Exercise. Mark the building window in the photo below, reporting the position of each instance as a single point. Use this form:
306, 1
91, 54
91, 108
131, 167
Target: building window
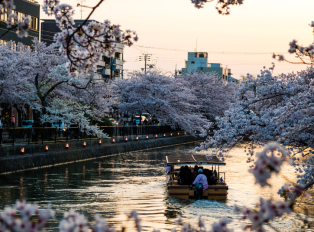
3, 17
192, 62
33, 25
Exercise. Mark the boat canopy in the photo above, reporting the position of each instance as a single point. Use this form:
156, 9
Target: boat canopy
193, 159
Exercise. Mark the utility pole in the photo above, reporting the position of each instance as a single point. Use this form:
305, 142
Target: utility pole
80, 5
146, 58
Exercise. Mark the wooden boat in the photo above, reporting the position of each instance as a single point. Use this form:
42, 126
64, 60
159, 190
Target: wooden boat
218, 191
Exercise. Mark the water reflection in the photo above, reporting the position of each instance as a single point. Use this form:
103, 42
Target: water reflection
66, 177
113, 186
21, 188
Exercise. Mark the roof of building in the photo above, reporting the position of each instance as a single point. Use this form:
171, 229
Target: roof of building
193, 159
33, 1
75, 20
232, 79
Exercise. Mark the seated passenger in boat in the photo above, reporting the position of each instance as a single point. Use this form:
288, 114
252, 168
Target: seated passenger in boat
208, 173
195, 172
212, 180
185, 175
202, 179
201, 184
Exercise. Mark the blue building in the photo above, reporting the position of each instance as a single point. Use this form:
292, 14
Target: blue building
197, 62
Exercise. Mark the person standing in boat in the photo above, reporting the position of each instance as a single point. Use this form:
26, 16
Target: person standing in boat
200, 183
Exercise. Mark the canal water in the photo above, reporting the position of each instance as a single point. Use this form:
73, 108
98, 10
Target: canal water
113, 186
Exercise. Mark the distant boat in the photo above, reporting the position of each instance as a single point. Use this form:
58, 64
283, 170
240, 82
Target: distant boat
217, 191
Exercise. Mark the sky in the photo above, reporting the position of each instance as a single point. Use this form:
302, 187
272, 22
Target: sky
242, 41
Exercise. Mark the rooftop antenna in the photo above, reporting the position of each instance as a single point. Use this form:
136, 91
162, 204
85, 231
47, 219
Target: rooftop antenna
196, 46
80, 4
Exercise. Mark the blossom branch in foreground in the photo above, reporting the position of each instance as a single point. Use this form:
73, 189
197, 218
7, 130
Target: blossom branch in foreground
85, 45
21, 26
222, 6
25, 217
305, 54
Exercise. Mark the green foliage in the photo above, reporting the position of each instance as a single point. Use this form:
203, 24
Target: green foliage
106, 126
104, 122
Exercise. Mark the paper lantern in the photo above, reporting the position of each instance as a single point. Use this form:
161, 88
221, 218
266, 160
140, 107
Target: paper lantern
22, 150
84, 144
46, 148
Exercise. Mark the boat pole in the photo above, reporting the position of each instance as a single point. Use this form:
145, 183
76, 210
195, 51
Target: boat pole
218, 173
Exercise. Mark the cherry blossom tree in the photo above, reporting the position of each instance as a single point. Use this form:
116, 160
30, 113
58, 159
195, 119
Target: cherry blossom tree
13, 74
39, 77
213, 94
163, 96
270, 108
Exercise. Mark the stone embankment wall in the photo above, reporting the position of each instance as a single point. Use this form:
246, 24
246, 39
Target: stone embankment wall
57, 154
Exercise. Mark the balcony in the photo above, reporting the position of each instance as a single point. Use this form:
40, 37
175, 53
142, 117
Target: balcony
101, 63
119, 45
118, 62
105, 72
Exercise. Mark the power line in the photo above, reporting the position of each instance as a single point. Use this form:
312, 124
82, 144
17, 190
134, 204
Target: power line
244, 53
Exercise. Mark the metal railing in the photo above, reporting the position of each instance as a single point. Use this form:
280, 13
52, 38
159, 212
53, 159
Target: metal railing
42, 135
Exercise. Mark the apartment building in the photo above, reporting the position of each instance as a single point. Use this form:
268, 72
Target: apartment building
197, 62
23, 7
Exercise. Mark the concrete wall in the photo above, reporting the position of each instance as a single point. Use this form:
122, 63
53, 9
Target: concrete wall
76, 152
